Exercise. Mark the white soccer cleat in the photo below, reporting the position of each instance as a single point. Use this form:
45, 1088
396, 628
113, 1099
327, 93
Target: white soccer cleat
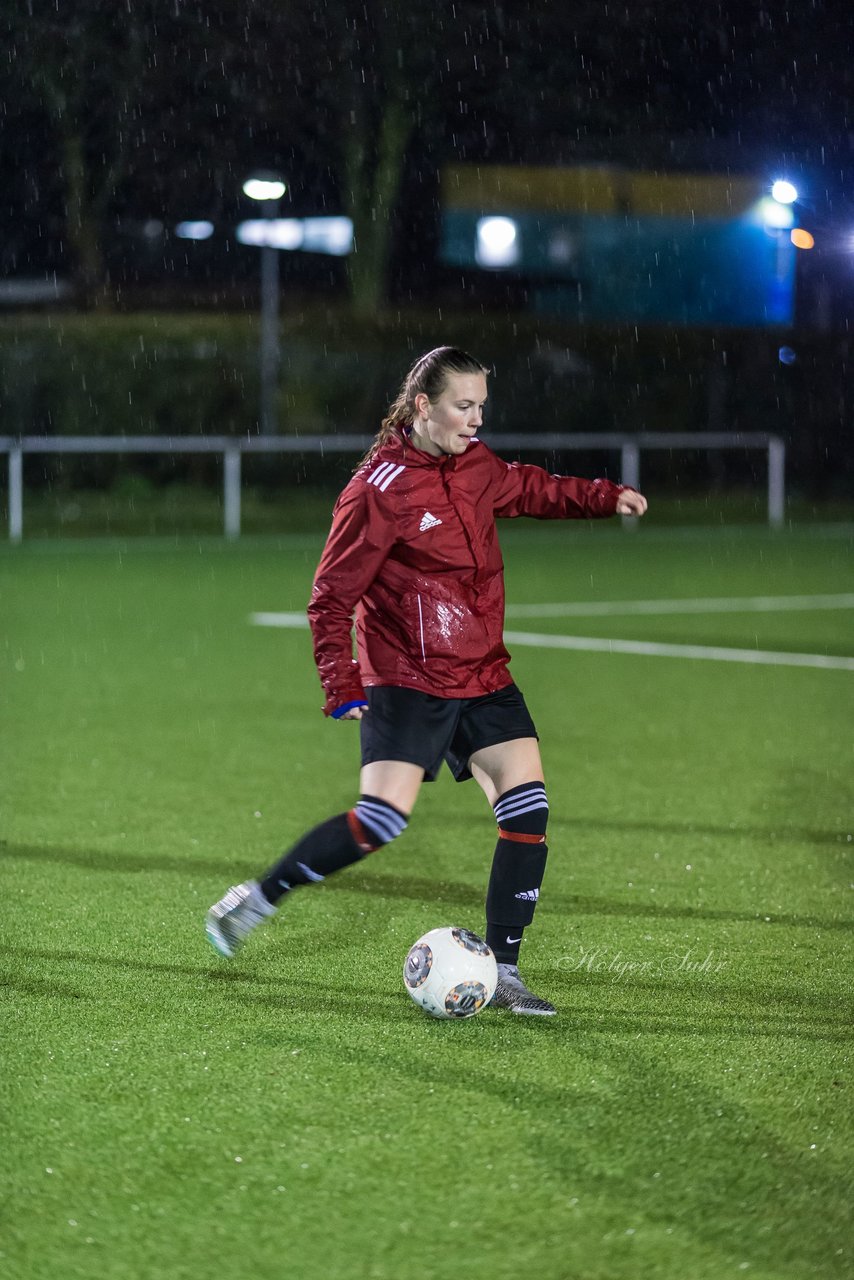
230, 921
511, 993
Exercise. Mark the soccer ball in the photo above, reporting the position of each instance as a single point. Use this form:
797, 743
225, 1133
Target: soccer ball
450, 973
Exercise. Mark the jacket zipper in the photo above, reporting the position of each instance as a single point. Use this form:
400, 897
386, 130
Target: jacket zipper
421, 627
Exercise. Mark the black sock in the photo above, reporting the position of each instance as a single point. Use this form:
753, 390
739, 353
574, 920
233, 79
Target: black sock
322, 851
517, 873
505, 942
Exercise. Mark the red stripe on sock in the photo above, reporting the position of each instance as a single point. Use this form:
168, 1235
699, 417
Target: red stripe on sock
519, 838
359, 834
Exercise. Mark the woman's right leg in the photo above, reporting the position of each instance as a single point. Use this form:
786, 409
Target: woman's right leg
389, 789
394, 781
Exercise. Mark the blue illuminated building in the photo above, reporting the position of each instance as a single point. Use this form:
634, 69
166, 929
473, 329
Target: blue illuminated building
606, 245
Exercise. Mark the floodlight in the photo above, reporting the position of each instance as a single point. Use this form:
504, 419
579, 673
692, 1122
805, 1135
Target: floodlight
497, 242
784, 192
264, 187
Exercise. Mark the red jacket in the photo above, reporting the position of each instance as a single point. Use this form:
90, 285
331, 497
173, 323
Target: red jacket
413, 549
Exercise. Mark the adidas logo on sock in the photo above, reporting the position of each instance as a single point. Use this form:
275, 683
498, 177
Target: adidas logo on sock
530, 895
428, 521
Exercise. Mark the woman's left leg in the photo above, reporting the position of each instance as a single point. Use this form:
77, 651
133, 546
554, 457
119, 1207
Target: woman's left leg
507, 764
511, 776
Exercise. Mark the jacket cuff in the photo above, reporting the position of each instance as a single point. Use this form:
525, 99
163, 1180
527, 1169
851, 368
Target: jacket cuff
609, 492
345, 707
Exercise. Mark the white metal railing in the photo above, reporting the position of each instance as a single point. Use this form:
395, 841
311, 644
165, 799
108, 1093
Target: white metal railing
232, 449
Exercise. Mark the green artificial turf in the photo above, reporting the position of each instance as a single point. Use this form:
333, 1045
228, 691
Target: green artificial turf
169, 1116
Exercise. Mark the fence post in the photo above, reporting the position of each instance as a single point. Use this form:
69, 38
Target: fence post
776, 483
231, 493
630, 476
16, 494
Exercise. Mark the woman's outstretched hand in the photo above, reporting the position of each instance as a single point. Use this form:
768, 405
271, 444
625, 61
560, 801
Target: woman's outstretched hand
631, 503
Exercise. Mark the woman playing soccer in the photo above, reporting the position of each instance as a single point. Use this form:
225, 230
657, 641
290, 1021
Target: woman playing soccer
413, 551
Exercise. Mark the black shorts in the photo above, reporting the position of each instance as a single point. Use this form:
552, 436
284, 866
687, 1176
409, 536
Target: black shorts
418, 728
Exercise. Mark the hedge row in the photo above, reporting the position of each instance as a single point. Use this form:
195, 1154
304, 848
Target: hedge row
176, 373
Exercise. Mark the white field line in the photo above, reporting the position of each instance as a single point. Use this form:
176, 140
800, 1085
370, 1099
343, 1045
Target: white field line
278, 619
762, 657
725, 604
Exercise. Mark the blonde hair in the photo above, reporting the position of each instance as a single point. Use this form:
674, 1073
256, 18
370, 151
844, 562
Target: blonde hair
428, 376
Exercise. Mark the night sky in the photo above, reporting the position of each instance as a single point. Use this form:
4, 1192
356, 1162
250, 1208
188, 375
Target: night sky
115, 119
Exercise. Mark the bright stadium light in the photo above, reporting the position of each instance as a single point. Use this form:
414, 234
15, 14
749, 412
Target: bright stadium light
497, 242
784, 192
264, 187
